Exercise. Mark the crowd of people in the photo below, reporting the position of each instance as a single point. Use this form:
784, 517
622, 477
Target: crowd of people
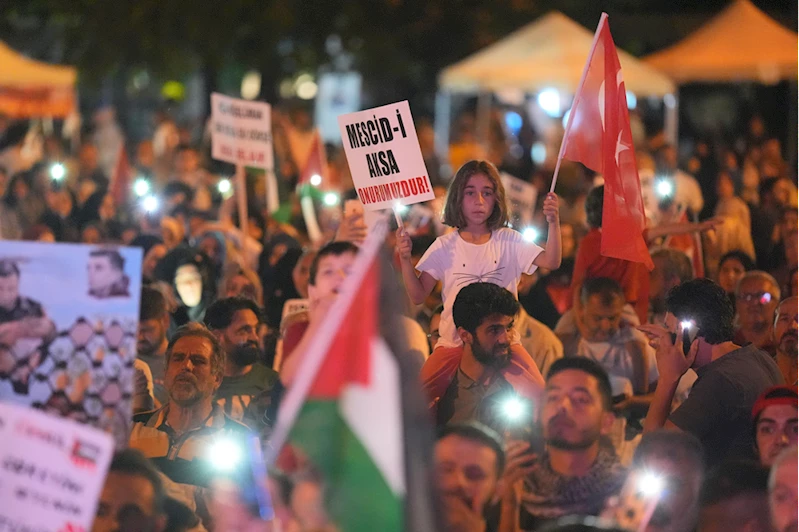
559, 381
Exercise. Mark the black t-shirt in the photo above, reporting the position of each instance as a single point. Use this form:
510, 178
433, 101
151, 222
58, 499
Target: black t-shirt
718, 410
25, 308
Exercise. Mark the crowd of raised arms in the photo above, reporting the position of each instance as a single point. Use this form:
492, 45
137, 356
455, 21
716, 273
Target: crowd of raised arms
561, 384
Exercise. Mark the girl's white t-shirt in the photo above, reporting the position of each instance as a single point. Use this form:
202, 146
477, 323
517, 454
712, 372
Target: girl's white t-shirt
456, 263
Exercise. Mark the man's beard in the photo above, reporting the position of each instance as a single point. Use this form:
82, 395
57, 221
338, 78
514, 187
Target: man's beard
788, 344
488, 358
246, 354
587, 437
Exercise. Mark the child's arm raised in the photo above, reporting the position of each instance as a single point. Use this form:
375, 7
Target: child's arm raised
551, 256
419, 287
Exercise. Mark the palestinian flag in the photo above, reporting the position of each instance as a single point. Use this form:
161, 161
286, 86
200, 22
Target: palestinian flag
349, 422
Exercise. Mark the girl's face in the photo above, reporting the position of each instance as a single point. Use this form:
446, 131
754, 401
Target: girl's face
730, 272
479, 199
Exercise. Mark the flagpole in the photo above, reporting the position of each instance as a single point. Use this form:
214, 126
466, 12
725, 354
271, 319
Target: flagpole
576, 100
314, 355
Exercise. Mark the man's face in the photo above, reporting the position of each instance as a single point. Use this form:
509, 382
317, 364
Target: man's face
601, 321
189, 379
756, 302
240, 339
572, 415
785, 327
127, 503
467, 470
9, 291
490, 343
678, 507
783, 496
152, 334
775, 431
330, 275
101, 273
189, 285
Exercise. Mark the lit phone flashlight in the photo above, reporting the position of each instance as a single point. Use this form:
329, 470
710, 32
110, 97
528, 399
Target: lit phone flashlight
664, 187
638, 499
517, 416
149, 204
689, 332
141, 187
58, 171
240, 461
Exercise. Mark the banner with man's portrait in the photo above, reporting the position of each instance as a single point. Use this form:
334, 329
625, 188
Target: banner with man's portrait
68, 319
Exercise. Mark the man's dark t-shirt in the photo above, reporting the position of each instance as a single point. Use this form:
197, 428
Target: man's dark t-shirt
466, 400
718, 410
235, 394
24, 308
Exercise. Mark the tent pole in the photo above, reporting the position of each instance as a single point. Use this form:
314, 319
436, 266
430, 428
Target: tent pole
483, 118
442, 125
671, 117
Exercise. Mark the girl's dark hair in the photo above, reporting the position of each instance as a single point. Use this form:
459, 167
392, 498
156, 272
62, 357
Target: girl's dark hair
745, 260
453, 210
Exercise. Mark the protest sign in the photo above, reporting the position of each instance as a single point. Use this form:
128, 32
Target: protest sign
339, 93
241, 132
52, 470
68, 319
384, 157
520, 197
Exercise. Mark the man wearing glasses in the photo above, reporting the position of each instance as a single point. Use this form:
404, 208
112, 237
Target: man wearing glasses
698, 334
756, 300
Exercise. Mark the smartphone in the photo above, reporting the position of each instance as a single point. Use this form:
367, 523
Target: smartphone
637, 501
248, 473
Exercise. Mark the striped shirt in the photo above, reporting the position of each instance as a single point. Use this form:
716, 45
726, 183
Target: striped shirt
184, 458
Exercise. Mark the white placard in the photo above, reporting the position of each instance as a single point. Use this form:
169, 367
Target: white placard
241, 132
52, 471
520, 197
384, 157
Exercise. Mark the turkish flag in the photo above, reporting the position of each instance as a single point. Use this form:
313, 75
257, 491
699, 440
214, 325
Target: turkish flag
600, 138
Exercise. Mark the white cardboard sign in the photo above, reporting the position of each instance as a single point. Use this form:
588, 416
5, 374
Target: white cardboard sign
384, 157
52, 471
241, 132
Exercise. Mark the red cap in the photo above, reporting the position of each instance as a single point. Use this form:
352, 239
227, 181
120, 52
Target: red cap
783, 399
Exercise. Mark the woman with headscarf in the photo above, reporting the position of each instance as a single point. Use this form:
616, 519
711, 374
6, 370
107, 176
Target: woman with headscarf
191, 275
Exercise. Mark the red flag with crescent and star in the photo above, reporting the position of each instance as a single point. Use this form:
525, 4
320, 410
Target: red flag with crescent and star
600, 138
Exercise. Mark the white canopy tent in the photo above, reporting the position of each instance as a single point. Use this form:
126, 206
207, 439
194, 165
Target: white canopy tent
547, 53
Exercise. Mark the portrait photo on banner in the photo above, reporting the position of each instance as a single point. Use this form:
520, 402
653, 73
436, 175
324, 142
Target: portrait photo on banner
68, 318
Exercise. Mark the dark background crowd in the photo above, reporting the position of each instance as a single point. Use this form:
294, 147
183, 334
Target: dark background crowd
660, 400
